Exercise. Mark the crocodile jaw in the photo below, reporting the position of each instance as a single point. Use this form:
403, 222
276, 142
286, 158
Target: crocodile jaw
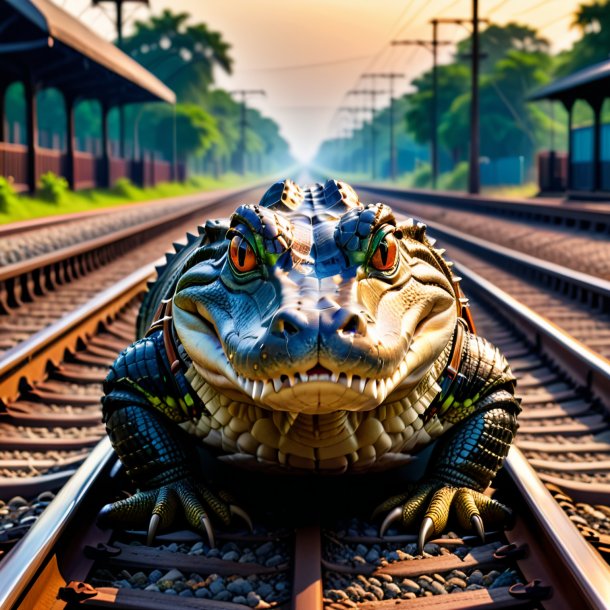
300, 392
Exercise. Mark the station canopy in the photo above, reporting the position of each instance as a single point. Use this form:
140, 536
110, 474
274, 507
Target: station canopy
44, 43
588, 84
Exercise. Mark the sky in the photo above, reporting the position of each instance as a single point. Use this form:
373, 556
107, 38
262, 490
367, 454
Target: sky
307, 54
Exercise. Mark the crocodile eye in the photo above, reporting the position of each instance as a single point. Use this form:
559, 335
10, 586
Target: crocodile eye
384, 257
242, 255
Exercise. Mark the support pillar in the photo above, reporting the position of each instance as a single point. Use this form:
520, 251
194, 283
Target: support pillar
597, 144
32, 132
104, 177
70, 136
3, 88
569, 105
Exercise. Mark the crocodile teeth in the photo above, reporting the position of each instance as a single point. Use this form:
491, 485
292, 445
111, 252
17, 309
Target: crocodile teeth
257, 389
334, 377
371, 388
362, 385
277, 384
247, 384
381, 388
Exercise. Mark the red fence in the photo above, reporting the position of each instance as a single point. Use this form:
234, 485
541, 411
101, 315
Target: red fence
89, 170
14, 164
85, 171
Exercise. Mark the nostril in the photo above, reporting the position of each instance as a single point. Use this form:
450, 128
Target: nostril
290, 328
352, 323
286, 324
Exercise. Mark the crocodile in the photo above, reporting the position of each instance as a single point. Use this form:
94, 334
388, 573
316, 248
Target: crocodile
309, 334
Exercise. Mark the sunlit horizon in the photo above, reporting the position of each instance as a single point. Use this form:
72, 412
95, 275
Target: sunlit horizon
307, 54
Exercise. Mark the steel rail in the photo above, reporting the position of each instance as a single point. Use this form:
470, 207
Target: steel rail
38, 262
590, 573
23, 562
49, 344
570, 214
562, 347
590, 283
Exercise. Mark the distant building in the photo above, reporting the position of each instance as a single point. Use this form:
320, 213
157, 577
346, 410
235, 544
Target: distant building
585, 172
43, 46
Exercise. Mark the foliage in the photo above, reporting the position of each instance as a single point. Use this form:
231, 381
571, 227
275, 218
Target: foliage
422, 176
124, 187
24, 207
593, 22
8, 197
53, 188
496, 41
456, 179
453, 82
182, 55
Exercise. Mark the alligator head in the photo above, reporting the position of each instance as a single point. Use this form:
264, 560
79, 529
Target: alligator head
312, 302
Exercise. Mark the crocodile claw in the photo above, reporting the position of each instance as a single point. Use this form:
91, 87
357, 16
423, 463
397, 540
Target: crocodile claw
392, 516
425, 531
434, 501
477, 526
153, 526
240, 512
205, 522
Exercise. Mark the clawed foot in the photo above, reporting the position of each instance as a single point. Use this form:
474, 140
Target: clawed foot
435, 500
162, 505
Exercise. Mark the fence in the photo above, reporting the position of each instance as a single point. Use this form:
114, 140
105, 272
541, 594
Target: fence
89, 170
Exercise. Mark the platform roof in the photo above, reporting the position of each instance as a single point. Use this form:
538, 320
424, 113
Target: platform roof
58, 50
589, 83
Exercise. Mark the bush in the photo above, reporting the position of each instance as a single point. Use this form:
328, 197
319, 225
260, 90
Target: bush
124, 187
422, 176
455, 180
53, 188
7, 193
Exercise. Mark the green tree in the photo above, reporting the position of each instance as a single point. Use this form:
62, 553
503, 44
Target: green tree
509, 124
593, 21
453, 82
180, 54
496, 41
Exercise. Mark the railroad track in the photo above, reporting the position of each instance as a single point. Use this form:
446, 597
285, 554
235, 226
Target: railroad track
332, 565
574, 300
342, 565
66, 265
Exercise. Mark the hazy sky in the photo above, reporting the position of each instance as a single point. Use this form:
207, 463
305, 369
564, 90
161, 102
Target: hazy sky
307, 54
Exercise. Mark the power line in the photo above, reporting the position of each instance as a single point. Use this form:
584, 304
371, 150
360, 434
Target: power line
320, 64
495, 7
529, 9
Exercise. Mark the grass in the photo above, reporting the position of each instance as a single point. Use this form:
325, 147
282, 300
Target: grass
25, 207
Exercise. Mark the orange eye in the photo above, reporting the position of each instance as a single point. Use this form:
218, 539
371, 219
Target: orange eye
384, 257
242, 255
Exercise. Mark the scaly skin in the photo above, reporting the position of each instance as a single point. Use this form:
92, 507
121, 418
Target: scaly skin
309, 333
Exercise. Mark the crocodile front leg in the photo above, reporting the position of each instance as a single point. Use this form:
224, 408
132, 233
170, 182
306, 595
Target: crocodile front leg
154, 455
462, 468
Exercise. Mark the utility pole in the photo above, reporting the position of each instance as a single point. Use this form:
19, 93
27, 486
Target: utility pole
354, 112
474, 182
119, 37
391, 76
432, 46
474, 178
244, 93
373, 93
